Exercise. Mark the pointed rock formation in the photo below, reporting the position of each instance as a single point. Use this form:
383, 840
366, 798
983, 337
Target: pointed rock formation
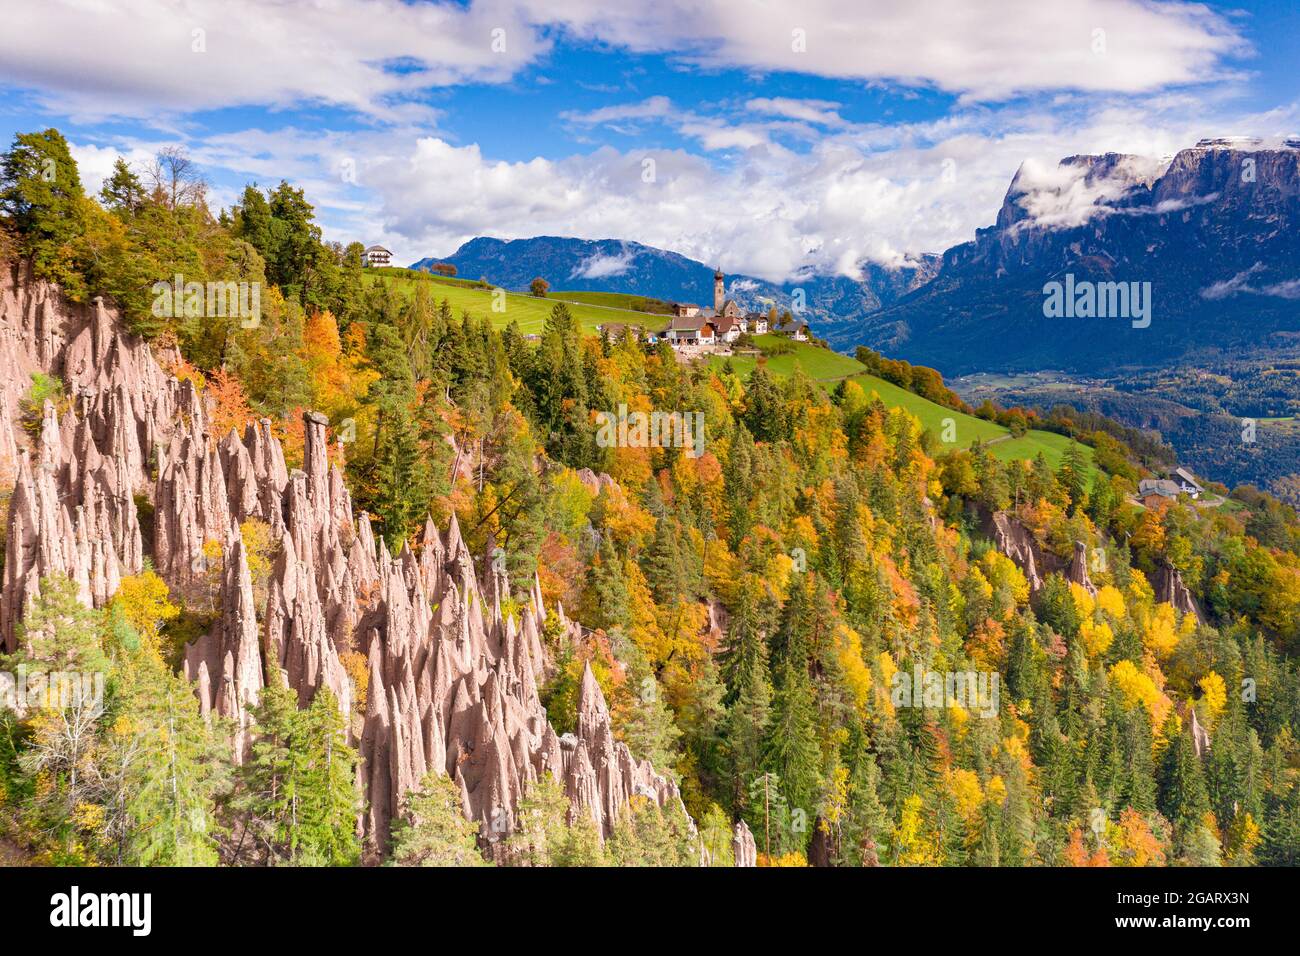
1077, 572
743, 846
452, 678
1014, 540
1169, 588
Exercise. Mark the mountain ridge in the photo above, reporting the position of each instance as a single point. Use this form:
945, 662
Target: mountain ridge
1213, 232
618, 265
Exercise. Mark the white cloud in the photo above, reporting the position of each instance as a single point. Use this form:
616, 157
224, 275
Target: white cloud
151, 58
972, 48
603, 267
148, 58
95, 163
1240, 283
656, 107
820, 112
1067, 194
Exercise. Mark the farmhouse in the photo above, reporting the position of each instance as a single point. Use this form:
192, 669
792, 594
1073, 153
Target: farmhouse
691, 330
685, 310
755, 323
1153, 492
796, 329
729, 328
378, 256
1186, 483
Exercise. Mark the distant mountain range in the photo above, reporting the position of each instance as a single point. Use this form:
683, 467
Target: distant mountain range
1215, 232
1205, 248
614, 265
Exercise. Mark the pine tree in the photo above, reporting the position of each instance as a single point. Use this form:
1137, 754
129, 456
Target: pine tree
1073, 476
649, 729
867, 826
174, 766
329, 808
432, 830
265, 801
122, 191
580, 844
40, 192
747, 719
1182, 796
540, 832
790, 747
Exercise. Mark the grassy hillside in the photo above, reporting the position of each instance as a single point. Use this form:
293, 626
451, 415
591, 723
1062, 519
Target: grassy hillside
529, 311
617, 300
969, 428
818, 363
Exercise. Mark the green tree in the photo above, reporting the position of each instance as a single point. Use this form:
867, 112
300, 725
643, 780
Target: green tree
123, 192
40, 192
790, 748
432, 830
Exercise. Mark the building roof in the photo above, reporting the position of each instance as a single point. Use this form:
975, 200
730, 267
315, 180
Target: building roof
689, 323
1157, 486
725, 324
1187, 476
378, 249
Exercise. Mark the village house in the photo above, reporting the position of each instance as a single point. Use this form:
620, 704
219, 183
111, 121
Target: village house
729, 328
685, 310
796, 329
1153, 492
1186, 483
755, 323
378, 256
691, 330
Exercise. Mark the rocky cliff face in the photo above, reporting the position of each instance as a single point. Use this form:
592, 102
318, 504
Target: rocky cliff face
452, 680
1170, 588
1212, 230
1012, 538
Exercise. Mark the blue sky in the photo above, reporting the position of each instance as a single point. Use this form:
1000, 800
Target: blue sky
767, 136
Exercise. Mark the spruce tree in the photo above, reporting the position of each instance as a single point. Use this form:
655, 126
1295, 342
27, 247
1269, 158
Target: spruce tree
1182, 794
432, 829
790, 748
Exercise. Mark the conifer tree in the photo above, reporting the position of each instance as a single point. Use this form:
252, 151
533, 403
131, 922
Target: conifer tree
1182, 794
432, 830
329, 807
541, 829
790, 747
40, 191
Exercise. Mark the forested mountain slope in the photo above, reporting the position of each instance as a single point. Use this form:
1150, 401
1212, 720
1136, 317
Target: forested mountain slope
811, 629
